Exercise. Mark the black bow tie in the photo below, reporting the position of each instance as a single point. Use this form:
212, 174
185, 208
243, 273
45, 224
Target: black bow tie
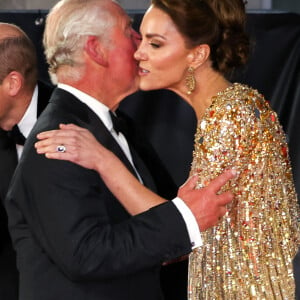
118, 123
16, 135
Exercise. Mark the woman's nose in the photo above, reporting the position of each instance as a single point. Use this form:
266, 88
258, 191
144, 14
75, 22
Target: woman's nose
139, 53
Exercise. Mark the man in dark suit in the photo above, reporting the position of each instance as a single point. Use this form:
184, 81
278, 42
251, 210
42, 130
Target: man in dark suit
21, 102
74, 240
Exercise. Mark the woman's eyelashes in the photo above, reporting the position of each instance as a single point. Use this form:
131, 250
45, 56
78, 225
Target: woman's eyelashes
155, 44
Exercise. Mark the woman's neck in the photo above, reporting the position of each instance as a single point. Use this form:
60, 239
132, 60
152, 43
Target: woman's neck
209, 85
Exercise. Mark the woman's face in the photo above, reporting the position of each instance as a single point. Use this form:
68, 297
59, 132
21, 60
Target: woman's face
162, 55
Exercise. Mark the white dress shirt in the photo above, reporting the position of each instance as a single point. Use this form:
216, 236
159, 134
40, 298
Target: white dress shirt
28, 120
102, 111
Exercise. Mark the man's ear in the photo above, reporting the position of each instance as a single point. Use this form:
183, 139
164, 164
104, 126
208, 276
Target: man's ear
13, 83
199, 55
94, 50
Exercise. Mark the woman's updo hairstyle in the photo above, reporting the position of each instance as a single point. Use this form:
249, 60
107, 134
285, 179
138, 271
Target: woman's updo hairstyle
218, 23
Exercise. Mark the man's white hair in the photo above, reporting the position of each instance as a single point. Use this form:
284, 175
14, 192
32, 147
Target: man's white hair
68, 25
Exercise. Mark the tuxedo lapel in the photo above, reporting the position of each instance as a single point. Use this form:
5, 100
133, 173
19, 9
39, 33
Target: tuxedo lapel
142, 169
139, 165
9, 160
8, 270
107, 140
8, 152
104, 136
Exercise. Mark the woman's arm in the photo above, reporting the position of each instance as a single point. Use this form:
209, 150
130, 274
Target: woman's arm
206, 204
82, 148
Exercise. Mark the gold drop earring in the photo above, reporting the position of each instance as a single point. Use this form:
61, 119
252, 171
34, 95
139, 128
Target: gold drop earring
190, 80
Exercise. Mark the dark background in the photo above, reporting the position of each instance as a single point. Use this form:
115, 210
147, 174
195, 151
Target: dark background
169, 123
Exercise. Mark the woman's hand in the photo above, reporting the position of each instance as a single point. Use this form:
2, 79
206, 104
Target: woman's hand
81, 146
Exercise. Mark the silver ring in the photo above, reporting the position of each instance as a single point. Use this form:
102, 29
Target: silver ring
61, 148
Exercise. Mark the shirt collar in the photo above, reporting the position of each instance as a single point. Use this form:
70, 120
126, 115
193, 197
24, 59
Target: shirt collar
101, 110
30, 116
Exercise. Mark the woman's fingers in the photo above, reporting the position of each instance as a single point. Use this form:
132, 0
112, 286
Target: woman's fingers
71, 143
71, 126
65, 130
51, 140
51, 146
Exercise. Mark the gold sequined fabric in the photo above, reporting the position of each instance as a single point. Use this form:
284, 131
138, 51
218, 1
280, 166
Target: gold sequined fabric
249, 254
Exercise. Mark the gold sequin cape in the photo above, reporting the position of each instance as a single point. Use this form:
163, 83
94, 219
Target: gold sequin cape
249, 254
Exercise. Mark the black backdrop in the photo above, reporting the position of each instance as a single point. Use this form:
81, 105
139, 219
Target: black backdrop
274, 69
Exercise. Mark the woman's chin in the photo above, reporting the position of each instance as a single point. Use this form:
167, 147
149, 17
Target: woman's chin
147, 87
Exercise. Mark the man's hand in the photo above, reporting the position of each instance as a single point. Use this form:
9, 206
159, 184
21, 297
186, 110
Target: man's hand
207, 206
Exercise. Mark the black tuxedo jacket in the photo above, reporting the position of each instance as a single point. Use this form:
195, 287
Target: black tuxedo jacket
9, 160
73, 239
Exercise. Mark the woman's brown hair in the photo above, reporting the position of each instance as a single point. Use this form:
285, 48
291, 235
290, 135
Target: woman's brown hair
218, 23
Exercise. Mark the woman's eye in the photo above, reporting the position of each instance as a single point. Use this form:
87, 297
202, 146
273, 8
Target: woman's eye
154, 45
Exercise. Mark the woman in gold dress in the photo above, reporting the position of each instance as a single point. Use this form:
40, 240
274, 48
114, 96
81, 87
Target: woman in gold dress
189, 47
